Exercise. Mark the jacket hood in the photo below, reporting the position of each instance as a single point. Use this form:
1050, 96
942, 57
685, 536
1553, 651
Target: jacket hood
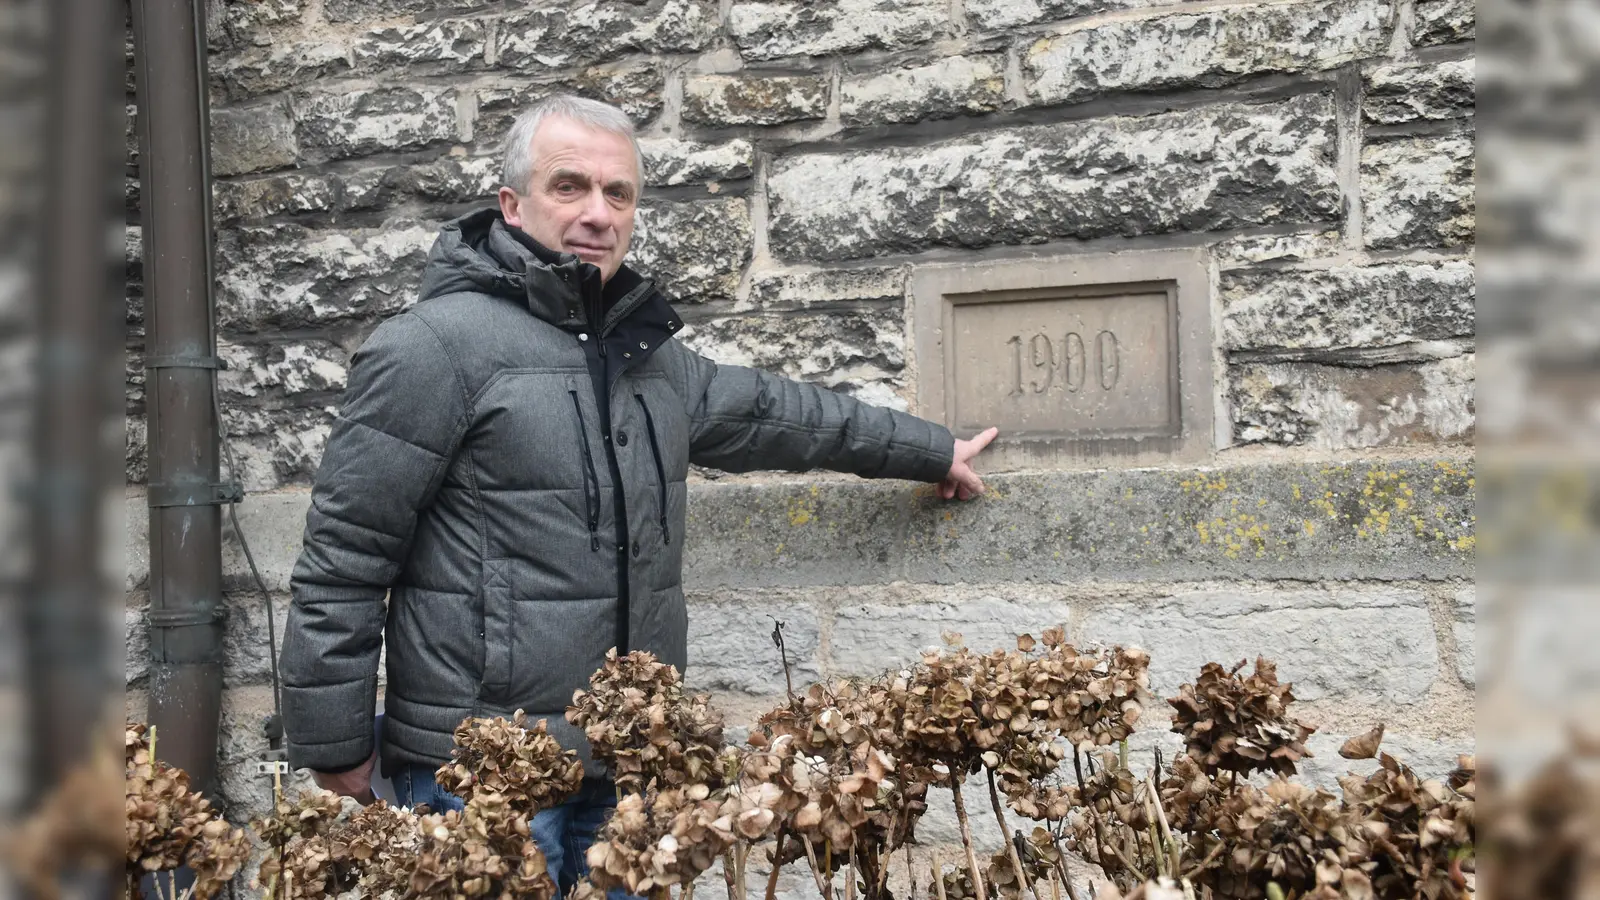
480, 253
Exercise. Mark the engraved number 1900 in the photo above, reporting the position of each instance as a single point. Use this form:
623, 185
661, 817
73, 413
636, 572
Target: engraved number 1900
1069, 367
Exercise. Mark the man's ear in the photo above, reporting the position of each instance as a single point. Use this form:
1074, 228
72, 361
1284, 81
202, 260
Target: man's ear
510, 208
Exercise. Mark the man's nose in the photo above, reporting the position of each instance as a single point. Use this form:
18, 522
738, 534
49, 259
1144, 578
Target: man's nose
597, 213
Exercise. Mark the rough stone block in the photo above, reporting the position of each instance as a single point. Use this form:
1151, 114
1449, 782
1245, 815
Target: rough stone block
994, 15
288, 193
288, 277
769, 30
753, 99
356, 10
1248, 250
245, 653
1464, 625
1219, 45
555, 38
958, 85
1402, 93
278, 447
877, 630
265, 70
1431, 757
805, 288
1241, 522
861, 353
695, 251
1444, 22
731, 648
1225, 166
668, 162
453, 179
250, 22
1341, 644
1345, 407
636, 90
136, 450
262, 371
251, 139
360, 122
441, 46
1419, 192
1350, 306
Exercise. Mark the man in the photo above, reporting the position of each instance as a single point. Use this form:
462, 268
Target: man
509, 469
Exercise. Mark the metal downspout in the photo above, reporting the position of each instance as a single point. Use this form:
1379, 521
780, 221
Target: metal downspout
184, 490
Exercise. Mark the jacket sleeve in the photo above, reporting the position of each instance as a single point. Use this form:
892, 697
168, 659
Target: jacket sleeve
403, 417
743, 420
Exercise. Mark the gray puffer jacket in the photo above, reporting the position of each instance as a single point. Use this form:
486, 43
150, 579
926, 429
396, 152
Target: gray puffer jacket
508, 470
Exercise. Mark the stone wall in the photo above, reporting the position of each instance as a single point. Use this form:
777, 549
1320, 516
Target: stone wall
802, 160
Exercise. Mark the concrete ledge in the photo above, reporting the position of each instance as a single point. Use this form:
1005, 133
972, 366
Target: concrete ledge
1370, 520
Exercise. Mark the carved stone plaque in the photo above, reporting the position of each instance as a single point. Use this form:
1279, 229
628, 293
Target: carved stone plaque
1076, 357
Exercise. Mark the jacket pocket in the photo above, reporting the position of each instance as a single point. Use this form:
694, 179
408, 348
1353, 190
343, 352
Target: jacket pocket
498, 631
661, 470
591, 503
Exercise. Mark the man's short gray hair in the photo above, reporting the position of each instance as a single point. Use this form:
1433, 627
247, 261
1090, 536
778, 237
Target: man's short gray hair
516, 172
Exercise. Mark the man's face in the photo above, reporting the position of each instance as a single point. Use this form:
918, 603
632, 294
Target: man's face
583, 194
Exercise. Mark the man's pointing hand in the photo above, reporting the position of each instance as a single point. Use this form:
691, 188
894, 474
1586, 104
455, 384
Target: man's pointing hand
962, 482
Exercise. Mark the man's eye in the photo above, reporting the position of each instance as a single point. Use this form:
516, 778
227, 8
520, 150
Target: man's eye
566, 187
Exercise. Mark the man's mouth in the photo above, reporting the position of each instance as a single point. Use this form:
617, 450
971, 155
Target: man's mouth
587, 251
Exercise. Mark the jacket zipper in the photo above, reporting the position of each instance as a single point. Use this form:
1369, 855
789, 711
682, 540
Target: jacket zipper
591, 506
600, 374
661, 471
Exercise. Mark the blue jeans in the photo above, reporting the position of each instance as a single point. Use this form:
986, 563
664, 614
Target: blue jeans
563, 833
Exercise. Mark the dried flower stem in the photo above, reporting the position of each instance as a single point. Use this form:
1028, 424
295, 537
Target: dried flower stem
777, 866
730, 874
740, 854
1094, 814
823, 888
966, 840
1176, 867
938, 876
687, 893
850, 876
1005, 835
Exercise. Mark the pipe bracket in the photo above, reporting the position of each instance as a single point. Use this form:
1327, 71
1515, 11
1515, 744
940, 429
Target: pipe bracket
185, 361
183, 617
164, 495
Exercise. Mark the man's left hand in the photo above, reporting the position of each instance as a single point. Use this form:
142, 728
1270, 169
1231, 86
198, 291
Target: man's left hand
962, 482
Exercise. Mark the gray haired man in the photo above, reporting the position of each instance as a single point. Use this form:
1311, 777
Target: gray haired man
509, 468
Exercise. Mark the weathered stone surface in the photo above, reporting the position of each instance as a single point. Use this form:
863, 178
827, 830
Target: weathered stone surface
1219, 45
754, 99
1299, 521
731, 648
441, 46
1342, 408
135, 639
1431, 757
554, 38
768, 30
275, 370
860, 353
1241, 252
875, 630
278, 447
695, 251
668, 162
289, 277
1314, 636
264, 70
990, 15
288, 193
1444, 22
244, 638
959, 85
355, 10
1419, 192
453, 179
802, 288
1464, 625
1350, 306
1419, 92
244, 793
359, 122
249, 22
1225, 166
251, 139
636, 90
136, 450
